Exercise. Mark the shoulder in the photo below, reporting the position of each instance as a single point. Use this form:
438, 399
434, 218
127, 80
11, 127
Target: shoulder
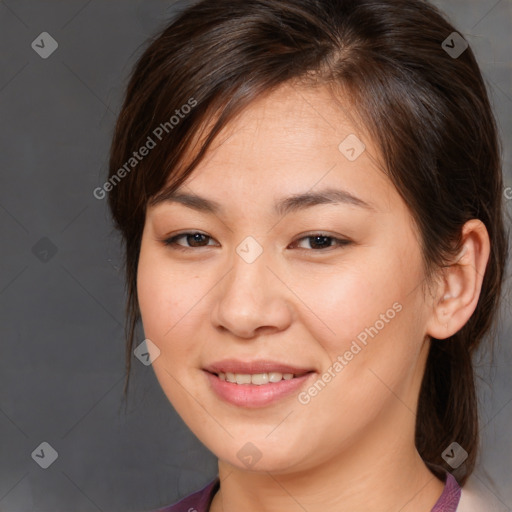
476, 496
198, 501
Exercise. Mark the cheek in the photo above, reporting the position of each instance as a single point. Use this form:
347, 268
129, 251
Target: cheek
154, 296
166, 299
172, 300
166, 295
369, 314
345, 303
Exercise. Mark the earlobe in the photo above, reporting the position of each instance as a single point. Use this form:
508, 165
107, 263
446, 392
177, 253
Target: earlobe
461, 282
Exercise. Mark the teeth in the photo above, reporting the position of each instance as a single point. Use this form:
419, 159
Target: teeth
258, 379
242, 379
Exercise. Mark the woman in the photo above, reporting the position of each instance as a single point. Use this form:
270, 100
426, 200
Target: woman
310, 198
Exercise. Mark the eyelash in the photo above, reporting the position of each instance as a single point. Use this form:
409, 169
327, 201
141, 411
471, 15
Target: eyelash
171, 242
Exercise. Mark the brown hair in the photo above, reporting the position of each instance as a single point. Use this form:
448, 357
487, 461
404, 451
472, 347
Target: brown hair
427, 110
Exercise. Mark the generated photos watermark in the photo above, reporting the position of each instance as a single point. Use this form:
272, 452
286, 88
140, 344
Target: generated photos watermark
341, 361
157, 135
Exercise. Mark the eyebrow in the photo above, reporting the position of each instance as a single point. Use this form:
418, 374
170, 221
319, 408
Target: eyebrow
282, 207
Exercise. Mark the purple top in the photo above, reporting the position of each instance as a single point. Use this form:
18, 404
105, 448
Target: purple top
200, 501
450, 497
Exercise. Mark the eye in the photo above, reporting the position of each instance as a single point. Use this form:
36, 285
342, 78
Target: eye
194, 238
319, 241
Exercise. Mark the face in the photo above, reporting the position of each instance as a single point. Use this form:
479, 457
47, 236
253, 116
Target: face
328, 289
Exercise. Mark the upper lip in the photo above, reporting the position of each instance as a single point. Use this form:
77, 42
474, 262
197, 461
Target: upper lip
254, 367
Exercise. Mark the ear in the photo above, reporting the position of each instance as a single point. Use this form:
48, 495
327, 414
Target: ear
460, 283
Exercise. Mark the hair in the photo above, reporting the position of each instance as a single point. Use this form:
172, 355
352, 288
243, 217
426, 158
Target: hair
428, 112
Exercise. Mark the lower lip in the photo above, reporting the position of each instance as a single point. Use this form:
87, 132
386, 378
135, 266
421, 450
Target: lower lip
251, 395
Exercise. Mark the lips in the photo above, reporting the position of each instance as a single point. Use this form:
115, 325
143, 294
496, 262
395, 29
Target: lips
252, 396
255, 367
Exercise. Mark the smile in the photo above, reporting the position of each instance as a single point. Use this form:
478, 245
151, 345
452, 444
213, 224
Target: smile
259, 379
256, 390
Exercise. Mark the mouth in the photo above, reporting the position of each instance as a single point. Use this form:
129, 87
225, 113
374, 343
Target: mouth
257, 383
258, 379
257, 367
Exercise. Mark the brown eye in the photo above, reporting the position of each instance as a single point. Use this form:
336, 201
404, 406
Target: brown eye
193, 239
319, 241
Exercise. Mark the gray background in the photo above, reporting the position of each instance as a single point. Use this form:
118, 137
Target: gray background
61, 288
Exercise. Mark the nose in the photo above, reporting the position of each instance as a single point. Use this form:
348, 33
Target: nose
251, 300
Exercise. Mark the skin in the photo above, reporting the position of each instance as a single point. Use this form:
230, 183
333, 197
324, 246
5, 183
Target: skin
351, 448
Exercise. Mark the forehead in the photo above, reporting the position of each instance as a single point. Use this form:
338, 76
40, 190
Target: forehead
289, 141
294, 119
